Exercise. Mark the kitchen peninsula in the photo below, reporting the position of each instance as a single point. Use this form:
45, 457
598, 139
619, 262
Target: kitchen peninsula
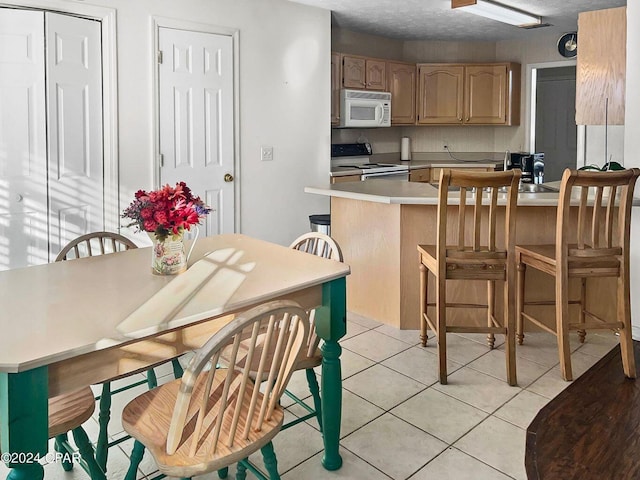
379, 223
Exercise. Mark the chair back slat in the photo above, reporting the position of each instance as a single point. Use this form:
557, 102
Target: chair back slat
617, 188
271, 379
205, 396
582, 215
261, 368
491, 181
461, 216
227, 414
83, 246
596, 218
610, 216
477, 210
245, 378
491, 243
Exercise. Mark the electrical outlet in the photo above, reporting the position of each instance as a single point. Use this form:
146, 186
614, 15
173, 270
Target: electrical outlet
266, 153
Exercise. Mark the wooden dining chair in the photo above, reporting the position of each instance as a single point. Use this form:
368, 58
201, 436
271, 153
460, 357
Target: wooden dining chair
321, 245
461, 253
585, 248
89, 245
216, 415
310, 356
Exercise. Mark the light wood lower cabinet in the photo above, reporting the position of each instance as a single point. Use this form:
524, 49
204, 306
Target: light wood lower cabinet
420, 175
469, 94
346, 178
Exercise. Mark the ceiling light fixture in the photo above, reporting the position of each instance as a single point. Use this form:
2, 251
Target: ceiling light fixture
497, 11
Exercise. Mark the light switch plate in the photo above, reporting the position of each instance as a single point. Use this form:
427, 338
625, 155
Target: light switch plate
266, 153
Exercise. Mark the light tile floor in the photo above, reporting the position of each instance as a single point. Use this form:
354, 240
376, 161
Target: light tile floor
398, 422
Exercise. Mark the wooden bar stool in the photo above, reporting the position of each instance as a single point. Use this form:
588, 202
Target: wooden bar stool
583, 251
469, 259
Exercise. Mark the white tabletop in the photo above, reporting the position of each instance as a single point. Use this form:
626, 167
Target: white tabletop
60, 310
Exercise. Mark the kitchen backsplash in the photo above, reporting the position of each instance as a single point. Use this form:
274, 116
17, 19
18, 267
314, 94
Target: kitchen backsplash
432, 139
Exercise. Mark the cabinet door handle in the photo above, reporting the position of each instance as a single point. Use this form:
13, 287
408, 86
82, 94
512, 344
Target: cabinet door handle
467, 119
459, 119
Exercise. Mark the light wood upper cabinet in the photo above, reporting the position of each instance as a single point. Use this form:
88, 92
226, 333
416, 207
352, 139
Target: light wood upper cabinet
469, 94
440, 94
601, 68
401, 82
485, 94
363, 73
376, 74
336, 80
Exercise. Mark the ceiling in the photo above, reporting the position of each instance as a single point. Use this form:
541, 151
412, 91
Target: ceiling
435, 20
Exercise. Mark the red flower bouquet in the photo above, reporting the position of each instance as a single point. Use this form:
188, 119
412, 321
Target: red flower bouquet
166, 212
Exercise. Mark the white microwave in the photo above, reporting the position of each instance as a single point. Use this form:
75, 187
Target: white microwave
359, 108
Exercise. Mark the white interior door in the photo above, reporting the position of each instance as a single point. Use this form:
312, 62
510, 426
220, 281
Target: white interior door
196, 119
23, 175
74, 122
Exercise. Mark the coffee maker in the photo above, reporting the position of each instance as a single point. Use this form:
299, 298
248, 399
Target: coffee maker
531, 164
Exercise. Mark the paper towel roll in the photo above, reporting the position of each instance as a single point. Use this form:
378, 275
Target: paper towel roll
405, 148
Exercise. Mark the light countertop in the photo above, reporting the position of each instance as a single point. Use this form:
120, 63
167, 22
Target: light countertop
419, 164
416, 193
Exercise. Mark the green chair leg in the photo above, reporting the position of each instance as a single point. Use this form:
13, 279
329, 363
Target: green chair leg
136, 457
86, 452
177, 368
223, 473
152, 380
315, 393
104, 415
241, 470
67, 461
270, 461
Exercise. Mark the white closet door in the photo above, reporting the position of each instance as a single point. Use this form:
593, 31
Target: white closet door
196, 119
74, 122
23, 178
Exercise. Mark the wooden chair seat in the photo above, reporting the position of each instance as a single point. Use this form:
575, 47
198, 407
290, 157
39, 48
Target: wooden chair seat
148, 417
70, 410
469, 258
543, 257
592, 240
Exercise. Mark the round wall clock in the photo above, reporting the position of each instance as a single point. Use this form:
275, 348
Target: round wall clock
568, 44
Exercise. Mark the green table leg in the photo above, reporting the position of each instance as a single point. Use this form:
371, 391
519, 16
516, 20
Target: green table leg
24, 422
331, 325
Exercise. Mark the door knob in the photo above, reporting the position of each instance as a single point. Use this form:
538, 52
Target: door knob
228, 177
19, 197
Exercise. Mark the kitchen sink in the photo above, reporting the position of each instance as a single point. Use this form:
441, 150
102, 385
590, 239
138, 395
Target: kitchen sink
532, 188
535, 188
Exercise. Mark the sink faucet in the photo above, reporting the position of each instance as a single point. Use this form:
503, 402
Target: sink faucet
507, 161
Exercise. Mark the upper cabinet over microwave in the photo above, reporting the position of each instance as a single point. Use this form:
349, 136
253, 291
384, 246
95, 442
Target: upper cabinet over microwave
363, 109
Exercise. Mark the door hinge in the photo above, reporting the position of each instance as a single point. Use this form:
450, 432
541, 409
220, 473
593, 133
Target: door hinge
161, 160
160, 56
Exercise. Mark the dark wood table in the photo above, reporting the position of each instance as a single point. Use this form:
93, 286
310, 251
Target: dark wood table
591, 430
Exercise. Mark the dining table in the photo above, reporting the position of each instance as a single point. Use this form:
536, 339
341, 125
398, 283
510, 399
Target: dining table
82, 322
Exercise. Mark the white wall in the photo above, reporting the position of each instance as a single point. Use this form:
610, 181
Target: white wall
284, 93
632, 149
